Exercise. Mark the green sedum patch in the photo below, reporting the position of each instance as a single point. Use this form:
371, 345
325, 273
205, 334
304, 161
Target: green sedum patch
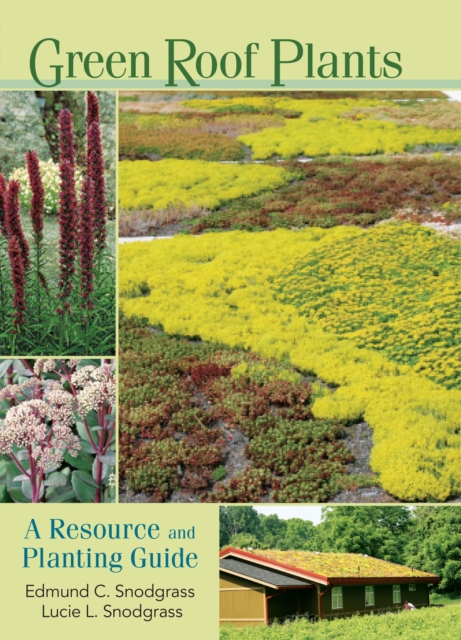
181, 403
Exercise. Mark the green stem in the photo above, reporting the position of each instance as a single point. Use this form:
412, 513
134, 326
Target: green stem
98, 479
38, 251
2, 299
87, 323
5, 303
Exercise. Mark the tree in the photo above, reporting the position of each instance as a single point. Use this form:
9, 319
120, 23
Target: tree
273, 530
245, 541
299, 534
234, 520
436, 544
378, 531
244, 527
52, 103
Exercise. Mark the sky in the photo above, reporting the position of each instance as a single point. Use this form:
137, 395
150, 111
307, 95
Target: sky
292, 511
284, 513
454, 95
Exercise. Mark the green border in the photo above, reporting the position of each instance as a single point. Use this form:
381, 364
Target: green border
229, 85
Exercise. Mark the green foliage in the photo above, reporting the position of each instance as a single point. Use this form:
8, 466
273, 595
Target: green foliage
236, 520
424, 624
77, 463
243, 541
85, 332
380, 532
300, 534
55, 101
446, 599
136, 143
244, 526
329, 193
174, 390
219, 473
317, 298
51, 184
272, 531
46, 305
435, 545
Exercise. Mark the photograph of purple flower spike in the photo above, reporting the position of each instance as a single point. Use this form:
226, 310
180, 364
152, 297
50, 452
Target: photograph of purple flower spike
57, 227
57, 430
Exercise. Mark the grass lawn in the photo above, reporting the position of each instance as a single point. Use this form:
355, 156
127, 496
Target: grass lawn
423, 624
446, 599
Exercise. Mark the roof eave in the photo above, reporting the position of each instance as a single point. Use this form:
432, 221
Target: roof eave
263, 582
315, 577
386, 580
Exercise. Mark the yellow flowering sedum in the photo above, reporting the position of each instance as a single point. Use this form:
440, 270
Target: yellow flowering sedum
263, 373
321, 130
343, 137
225, 288
158, 185
340, 565
394, 289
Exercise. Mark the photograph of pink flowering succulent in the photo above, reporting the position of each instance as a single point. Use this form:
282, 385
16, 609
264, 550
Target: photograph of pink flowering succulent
57, 228
57, 430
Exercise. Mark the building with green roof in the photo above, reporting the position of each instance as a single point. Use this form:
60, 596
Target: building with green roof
260, 586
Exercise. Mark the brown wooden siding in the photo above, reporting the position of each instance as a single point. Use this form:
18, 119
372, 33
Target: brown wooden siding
293, 602
241, 602
229, 581
419, 597
354, 599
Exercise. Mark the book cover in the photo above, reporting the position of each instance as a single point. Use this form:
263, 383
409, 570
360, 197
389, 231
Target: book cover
121, 124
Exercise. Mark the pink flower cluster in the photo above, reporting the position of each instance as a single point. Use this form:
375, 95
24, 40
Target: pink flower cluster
39, 425
26, 426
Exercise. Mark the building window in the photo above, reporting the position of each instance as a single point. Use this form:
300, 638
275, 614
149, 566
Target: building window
337, 598
369, 596
396, 599
411, 587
